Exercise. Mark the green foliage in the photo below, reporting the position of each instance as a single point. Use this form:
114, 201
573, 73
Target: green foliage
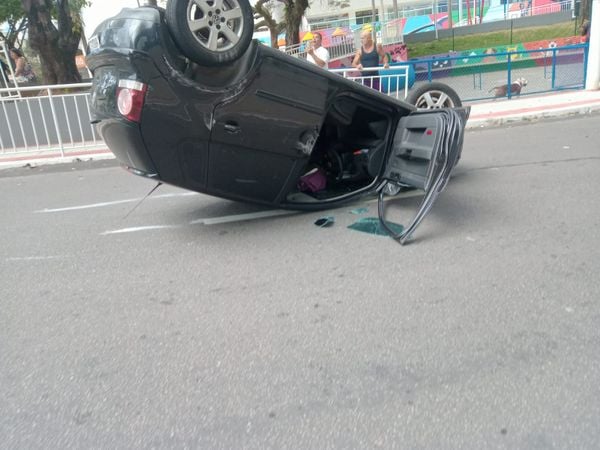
13, 15
10, 9
75, 7
54, 31
494, 39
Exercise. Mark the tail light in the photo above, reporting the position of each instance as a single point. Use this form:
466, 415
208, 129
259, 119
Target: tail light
130, 99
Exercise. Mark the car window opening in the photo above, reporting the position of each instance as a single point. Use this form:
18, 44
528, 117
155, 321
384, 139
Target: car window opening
347, 156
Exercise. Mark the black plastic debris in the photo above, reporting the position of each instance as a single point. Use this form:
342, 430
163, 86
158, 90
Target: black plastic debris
325, 221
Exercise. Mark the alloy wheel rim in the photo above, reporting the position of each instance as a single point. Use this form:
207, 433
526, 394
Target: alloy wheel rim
216, 24
434, 100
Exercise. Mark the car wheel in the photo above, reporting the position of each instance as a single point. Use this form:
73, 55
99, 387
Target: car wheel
211, 32
434, 96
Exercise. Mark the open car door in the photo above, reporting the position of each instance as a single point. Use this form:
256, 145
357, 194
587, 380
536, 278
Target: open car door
426, 147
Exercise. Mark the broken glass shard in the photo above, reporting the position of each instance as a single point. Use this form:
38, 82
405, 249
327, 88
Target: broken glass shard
359, 211
372, 225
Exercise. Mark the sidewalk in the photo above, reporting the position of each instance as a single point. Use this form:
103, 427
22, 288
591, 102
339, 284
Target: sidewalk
488, 114
528, 108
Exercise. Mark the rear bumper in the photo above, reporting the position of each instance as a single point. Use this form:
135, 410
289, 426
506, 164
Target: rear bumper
125, 141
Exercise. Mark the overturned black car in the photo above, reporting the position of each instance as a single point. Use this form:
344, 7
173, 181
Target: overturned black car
185, 97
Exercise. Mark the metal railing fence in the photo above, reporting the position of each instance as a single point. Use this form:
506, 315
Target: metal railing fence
7, 75
58, 121
393, 81
344, 46
340, 48
481, 76
55, 118
392, 32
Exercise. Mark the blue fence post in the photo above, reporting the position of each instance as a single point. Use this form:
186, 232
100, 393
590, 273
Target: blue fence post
553, 85
509, 81
585, 62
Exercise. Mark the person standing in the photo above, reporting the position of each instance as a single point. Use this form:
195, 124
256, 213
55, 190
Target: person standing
317, 54
23, 71
369, 55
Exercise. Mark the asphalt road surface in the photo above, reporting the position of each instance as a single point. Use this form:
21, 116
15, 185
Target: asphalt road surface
181, 325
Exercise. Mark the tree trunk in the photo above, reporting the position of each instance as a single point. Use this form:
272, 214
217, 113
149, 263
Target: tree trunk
56, 47
267, 20
294, 10
273, 33
585, 8
481, 11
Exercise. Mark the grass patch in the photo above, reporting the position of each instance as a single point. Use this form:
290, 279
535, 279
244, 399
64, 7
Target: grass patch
493, 39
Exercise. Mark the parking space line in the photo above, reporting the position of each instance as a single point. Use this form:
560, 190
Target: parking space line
33, 258
249, 216
135, 229
116, 202
243, 217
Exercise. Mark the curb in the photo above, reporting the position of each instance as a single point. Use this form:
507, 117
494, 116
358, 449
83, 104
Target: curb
34, 160
481, 120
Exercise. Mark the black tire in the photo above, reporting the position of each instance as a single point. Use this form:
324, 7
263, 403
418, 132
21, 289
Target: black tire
211, 32
434, 96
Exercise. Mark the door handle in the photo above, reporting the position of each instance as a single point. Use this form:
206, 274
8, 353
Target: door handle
232, 127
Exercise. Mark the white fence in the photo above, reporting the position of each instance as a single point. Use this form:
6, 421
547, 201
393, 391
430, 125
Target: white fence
47, 118
58, 118
6, 73
340, 47
393, 81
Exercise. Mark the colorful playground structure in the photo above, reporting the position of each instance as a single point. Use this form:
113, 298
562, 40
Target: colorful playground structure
343, 38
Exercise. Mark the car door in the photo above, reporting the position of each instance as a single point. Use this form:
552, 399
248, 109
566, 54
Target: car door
262, 138
426, 148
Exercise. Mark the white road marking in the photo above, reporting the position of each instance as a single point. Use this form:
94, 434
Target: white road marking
243, 217
135, 229
207, 221
32, 258
246, 216
116, 202
283, 212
